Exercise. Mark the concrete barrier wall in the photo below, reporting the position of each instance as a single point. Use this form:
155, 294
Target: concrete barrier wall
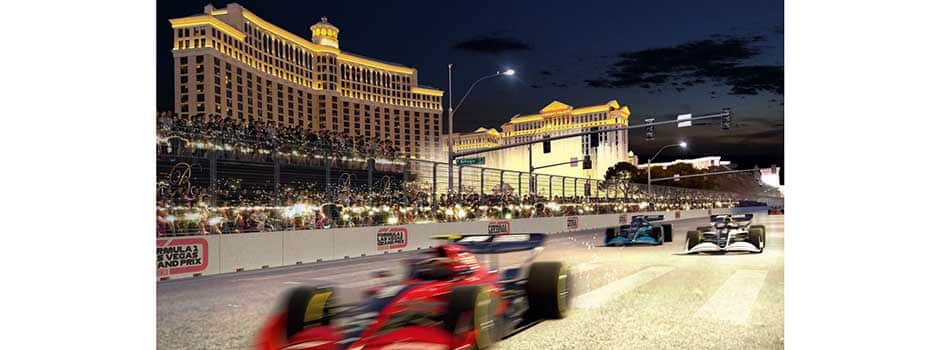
251, 251
301, 247
182, 257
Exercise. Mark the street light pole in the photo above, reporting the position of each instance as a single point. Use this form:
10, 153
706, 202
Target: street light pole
451, 143
451, 116
650, 165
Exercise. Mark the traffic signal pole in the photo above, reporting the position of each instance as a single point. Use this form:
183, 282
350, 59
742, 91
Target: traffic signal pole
554, 165
531, 185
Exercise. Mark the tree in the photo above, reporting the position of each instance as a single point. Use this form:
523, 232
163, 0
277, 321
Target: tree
622, 177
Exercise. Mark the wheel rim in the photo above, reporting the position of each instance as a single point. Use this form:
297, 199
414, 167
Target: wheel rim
482, 319
562, 291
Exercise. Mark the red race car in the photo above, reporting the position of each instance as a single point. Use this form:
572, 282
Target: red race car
449, 300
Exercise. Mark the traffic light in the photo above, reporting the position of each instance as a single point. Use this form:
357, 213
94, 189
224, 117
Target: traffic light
650, 130
594, 138
726, 120
587, 163
547, 144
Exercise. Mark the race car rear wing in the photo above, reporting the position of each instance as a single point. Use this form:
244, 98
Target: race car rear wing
649, 217
744, 217
496, 244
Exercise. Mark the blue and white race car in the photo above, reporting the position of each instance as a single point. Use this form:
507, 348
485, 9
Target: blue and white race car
641, 230
727, 233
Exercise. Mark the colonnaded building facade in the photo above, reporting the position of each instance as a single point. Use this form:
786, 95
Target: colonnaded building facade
232, 63
555, 119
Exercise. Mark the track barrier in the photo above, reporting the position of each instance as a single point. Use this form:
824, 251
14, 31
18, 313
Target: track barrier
192, 256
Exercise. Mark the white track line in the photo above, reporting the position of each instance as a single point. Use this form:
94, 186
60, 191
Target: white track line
366, 270
600, 296
584, 267
734, 299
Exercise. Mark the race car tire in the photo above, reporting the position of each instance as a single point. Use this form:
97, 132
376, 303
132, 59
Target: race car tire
702, 229
307, 307
478, 305
548, 289
610, 234
657, 233
692, 239
667, 232
757, 236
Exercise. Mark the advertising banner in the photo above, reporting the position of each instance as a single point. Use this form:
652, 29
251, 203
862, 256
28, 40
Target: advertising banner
392, 238
573, 222
183, 255
499, 227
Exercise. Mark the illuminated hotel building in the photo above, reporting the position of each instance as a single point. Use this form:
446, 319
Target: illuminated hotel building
698, 163
230, 62
553, 120
478, 139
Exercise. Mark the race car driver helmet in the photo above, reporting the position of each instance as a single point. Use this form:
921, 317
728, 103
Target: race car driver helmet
433, 266
636, 222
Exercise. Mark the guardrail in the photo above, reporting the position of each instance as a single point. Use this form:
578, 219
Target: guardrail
192, 256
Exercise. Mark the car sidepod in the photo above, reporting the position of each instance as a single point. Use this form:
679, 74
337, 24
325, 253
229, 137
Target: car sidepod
618, 237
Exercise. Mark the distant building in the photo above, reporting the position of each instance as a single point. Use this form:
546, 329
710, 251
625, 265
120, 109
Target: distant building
478, 139
770, 177
555, 119
632, 158
698, 163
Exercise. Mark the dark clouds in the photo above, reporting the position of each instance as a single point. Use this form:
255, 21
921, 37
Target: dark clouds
720, 60
492, 44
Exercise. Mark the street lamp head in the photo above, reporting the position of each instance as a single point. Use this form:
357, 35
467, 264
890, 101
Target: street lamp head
509, 72
683, 144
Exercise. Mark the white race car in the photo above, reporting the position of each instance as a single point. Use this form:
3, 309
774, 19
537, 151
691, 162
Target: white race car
727, 233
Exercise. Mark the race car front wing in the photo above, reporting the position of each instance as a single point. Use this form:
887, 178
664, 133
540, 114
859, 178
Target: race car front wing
710, 247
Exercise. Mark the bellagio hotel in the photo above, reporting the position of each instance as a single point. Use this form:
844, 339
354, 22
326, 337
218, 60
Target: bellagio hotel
556, 119
232, 63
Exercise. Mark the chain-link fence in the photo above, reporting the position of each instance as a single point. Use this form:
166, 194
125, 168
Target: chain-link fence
433, 176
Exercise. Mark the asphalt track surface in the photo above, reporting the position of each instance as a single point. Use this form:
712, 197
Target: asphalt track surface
625, 297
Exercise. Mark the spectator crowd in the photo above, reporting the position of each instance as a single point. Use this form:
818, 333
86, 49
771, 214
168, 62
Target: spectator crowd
203, 132
303, 208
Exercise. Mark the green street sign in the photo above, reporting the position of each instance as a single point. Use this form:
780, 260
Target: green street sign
470, 161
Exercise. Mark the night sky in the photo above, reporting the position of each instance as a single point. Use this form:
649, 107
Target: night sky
659, 58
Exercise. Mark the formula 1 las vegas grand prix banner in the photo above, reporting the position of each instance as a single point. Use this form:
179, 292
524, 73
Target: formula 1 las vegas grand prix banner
499, 227
392, 238
573, 223
182, 255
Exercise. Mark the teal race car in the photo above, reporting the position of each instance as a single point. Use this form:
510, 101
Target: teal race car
641, 230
